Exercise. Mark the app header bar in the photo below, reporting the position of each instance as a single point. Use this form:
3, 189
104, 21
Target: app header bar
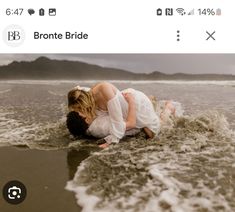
128, 26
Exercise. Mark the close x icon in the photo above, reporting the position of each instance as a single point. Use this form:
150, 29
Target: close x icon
210, 35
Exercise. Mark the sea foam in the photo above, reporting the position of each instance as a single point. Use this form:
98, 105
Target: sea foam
173, 173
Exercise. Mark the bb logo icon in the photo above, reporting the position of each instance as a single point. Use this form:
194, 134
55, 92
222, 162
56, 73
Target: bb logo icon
13, 35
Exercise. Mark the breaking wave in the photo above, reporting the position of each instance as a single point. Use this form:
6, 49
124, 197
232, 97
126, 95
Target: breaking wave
34, 135
5, 91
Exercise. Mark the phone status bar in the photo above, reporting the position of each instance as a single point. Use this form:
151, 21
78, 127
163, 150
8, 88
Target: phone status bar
188, 12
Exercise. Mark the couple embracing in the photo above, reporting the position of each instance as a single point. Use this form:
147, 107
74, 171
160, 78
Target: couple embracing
105, 112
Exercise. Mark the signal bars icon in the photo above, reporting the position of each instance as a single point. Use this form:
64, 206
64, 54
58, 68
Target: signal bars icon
191, 12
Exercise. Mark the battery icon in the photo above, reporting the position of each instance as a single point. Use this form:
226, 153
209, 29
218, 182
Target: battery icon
41, 12
218, 11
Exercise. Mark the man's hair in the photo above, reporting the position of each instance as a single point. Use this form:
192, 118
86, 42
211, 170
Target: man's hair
76, 125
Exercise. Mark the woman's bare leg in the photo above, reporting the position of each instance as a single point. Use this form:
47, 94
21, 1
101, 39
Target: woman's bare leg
168, 111
170, 107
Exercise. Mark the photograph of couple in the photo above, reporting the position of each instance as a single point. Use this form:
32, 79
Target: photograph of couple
105, 112
118, 132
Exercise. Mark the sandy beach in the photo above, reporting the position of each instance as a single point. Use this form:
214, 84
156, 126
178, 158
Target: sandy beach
44, 173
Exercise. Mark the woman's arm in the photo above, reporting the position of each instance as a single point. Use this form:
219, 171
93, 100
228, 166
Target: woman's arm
109, 92
111, 98
131, 116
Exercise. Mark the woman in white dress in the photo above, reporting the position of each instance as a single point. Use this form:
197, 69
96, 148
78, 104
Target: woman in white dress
166, 110
111, 113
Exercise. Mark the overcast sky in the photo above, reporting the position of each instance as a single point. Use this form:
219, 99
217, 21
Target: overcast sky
166, 63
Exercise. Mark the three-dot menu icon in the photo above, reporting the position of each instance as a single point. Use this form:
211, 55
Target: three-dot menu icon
178, 35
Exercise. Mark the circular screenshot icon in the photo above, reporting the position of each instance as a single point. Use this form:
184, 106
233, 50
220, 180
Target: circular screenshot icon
14, 192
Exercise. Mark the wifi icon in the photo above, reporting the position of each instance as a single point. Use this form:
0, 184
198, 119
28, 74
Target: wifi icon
180, 11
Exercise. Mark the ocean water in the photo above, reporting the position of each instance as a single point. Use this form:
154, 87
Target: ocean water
189, 167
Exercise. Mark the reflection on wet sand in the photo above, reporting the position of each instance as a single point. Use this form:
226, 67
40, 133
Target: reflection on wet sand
74, 158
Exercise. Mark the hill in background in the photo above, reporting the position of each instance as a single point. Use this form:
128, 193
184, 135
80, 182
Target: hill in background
45, 69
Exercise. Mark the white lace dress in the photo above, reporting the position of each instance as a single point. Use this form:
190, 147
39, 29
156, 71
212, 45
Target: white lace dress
111, 124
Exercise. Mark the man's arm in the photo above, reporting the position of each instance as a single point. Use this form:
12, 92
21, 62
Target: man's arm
148, 132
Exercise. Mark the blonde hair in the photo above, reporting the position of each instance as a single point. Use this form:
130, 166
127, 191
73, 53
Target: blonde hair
82, 101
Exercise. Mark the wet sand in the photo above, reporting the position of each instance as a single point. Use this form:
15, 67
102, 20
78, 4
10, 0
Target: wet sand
44, 173
190, 168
